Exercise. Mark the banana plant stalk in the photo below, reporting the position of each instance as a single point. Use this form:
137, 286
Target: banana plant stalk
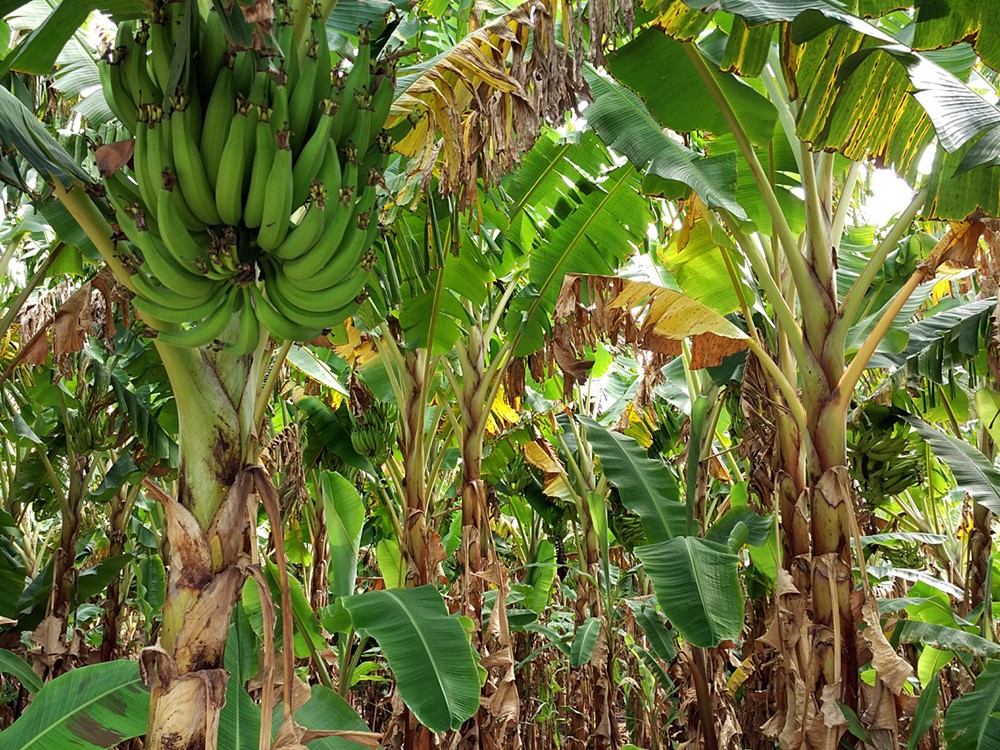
207, 525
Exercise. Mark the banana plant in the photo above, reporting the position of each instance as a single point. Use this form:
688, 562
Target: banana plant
746, 177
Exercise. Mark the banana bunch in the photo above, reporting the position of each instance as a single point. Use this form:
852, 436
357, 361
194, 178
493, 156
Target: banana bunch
881, 455
373, 431
251, 202
624, 524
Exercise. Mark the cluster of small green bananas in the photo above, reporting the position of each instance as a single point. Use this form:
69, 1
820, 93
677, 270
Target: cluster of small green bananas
373, 431
253, 191
881, 456
624, 524
89, 434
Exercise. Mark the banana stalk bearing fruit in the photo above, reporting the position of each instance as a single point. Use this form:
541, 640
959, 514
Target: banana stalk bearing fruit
244, 202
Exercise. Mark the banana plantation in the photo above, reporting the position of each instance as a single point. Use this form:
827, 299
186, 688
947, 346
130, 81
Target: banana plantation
412, 374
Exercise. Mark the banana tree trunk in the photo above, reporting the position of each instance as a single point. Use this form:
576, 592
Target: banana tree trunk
210, 533
496, 723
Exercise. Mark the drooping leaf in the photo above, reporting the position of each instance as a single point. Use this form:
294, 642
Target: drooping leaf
674, 79
760, 527
973, 472
12, 664
91, 708
623, 122
391, 564
327, 428
306, 361
924, 714
541, 575
345, 517
327, 710
941, 341
37, 53
646, 486
972, 721
660, 637
595, 236
427, 650
584, 642
698, 587
23, 131
947, 638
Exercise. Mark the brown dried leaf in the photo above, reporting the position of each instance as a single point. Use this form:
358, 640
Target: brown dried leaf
891, 668
111, 157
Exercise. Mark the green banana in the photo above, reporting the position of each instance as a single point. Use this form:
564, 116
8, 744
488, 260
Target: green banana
185, 247
277, 212
362, 136
147, 188
328, 300
356, 82
304, 236
191, 175
208, 329
337, 250
302, 101
248, 334
382, 96
282, 300
245, 69
280, 327
110, 69
233, 176
212, 52
178, 310
324, 84
263, 157
167, 270
311, 157
161, 51
218, 116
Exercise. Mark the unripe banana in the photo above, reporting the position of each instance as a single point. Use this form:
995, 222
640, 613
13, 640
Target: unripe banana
310, 159
263, 159
191, 175
277, 212
281, 328
233, 173
207, 330
218, 115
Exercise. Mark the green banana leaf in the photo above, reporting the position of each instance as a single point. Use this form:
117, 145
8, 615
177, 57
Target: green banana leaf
660, 637
697, 584
427, 649
645, 484
239, 721
584, 642
90, 708
973, 472
973, 721
941, 341
345, 517
946, 638
923, 715
541, 575
624, 123
327, 710
12, 664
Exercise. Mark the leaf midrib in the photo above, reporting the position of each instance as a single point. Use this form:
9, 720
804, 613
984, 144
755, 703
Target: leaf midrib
79, 709
437, 672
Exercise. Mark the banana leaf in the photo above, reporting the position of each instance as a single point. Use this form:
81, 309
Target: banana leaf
427, 649
90, 708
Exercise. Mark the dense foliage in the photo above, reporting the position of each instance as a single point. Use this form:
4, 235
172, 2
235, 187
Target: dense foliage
412, 375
